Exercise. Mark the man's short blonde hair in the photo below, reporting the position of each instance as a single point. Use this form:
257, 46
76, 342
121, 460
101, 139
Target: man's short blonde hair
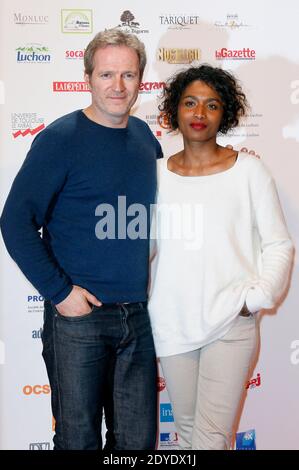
114, 37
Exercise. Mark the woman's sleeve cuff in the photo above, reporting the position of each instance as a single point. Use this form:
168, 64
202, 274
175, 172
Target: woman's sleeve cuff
255, 299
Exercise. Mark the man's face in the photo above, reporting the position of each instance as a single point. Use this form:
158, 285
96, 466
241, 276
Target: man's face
114, 84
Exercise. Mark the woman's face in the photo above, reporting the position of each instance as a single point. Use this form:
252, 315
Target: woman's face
200, 112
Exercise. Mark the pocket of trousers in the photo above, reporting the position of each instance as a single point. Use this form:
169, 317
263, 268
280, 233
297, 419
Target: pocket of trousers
73, 318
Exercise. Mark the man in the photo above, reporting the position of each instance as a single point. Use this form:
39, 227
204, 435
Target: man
82, 182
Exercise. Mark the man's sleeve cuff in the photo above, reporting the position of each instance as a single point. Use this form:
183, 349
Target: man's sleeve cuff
62, 294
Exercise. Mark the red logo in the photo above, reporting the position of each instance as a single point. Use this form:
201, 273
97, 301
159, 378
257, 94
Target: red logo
254, 382
147, 87
27, 131
70, 87
163, 121
74, 54
235, 54
161, 384
36, 389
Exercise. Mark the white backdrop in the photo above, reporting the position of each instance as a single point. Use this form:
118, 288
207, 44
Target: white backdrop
41, 75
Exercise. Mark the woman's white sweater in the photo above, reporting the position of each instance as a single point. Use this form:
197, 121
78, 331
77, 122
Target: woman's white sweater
220, 240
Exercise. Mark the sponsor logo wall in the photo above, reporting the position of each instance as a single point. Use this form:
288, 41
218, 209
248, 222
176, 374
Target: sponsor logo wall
43, 80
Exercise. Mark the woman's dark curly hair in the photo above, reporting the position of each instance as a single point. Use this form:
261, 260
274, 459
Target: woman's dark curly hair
225, 84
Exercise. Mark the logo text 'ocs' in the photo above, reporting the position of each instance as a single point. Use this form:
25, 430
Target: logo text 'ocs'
36, 389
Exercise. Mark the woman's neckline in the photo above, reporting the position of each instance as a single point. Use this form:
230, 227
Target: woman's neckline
195, 177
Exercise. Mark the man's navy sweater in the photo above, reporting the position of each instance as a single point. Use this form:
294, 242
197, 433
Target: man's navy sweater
73, 167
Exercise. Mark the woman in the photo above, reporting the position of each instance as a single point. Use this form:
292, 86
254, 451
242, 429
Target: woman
222, 254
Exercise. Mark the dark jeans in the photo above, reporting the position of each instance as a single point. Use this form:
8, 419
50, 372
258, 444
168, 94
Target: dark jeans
109, 350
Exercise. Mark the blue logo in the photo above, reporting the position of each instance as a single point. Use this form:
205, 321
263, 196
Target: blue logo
166, 413
168, 438
33, 53
245, 440
35, 298
37, 334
